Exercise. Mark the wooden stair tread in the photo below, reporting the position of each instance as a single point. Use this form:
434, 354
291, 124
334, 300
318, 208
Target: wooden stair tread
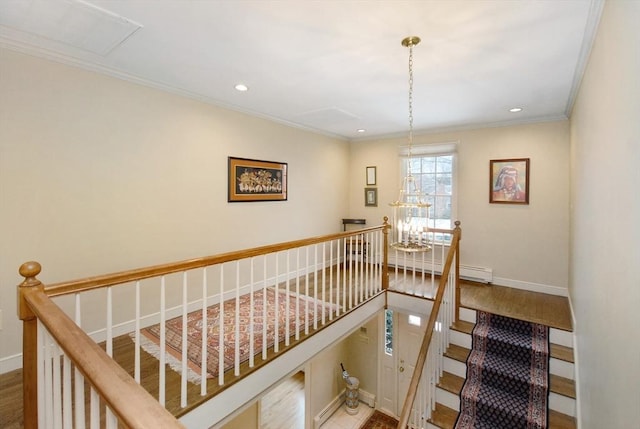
463, 326
458, 353
561, 421
443, 417
557, 351
562, 353
562, 386
451, 383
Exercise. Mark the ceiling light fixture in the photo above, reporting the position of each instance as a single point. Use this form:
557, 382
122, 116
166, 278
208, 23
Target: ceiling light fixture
361, 130
515, 110
411, 211
242, 87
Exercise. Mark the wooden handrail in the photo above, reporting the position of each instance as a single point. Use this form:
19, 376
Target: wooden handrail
96, 282
133, 405
129, 401
426, 341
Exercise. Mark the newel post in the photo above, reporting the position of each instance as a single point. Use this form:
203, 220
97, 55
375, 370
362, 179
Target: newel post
457, 231
29, 270
385, 253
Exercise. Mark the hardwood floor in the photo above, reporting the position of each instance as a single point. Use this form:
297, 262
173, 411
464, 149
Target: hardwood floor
536, 307
283, 407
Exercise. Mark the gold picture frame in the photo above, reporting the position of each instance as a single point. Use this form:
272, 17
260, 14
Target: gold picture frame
256, 180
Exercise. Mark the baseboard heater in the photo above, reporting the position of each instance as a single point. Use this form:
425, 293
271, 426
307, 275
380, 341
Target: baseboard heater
364, 397
467, 272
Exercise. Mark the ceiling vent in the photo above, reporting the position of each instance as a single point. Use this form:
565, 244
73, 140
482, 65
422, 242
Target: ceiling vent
71, 22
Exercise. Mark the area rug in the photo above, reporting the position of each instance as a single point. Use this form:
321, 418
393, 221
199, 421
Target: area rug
307, 310
380, 420
507, 375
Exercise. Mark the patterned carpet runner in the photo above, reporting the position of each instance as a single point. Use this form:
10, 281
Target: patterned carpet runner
507, 376
380, 421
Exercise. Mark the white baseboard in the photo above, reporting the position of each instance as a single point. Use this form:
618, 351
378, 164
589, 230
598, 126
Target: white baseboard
10, 363
530, 286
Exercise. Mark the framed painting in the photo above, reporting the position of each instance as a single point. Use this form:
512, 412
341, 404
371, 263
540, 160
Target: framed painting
509, 181
255, 180
371, 197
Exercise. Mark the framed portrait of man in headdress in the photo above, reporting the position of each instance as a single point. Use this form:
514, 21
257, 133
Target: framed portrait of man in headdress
509, 181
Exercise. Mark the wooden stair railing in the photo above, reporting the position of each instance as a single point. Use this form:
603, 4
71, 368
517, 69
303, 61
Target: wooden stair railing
129, 402
132, 405
452, 259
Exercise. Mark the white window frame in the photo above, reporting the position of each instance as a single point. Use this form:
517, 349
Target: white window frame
434, 150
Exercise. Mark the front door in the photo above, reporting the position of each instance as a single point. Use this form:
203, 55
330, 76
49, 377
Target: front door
410, 333
402, 339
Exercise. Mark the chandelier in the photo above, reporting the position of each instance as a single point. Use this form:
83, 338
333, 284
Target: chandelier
411, 211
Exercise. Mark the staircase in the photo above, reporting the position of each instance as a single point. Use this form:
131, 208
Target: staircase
562, 403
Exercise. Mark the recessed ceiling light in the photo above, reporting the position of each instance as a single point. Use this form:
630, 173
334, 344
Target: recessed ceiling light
242, 87
515, 110
361, 130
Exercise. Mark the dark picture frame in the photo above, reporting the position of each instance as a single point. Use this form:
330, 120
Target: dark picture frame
256, 180
509, 181
371, 197
371, 175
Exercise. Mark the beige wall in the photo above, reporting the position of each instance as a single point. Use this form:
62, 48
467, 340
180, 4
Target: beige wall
324, 376
100, 175
526, 245
247, 419
605, 263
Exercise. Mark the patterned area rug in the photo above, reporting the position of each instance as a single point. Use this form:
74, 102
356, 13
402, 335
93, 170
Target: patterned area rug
507, 376
286, 311
380, 420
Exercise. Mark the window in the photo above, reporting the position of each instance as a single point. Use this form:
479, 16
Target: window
414, 320
433, 166
388, 332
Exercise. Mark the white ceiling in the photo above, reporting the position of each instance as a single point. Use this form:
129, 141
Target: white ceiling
329, 66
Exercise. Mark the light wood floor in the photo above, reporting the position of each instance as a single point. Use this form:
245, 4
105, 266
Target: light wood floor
283, 407
535, 307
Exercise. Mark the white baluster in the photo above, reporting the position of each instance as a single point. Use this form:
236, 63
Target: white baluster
161, 369
306, 289
324, 283
221, 329
276, 346
57, 386
136, 358
237, 323
297, 328
94, 413
251, 314
264, 308
185, 344
204, 340
67, 404
109, 341
287, 316
79, 401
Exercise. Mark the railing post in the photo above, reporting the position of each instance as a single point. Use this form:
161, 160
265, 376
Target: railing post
457, 231
29, 270
385, 253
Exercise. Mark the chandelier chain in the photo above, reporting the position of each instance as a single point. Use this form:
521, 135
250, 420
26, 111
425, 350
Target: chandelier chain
410, 105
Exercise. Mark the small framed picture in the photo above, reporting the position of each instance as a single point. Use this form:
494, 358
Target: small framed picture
371, 176
509, 181
371, 197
